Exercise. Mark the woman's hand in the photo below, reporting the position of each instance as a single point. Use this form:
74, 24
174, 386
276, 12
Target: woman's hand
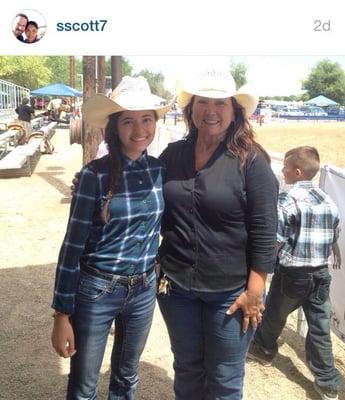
251, 305
63, 336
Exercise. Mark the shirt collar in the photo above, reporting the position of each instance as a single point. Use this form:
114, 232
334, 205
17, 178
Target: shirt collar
304, 184
142, 161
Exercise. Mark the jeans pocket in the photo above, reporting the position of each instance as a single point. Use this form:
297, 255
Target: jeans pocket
91, 289
296, 287
322, 290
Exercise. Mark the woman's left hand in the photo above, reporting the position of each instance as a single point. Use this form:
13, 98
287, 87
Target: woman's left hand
251, 305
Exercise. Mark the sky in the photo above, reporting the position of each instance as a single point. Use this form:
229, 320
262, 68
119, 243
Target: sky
267, 75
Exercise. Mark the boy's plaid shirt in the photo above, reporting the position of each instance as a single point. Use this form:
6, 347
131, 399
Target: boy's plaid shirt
308, 224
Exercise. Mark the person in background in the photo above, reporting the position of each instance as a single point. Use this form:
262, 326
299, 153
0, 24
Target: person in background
31, 31
25, 111
39, 103
308, 229
262, 113
105, 269
218, 237
19, 25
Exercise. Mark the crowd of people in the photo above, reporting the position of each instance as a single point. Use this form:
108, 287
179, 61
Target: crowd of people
213, 198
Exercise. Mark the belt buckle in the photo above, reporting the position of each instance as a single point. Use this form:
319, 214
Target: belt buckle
131, 280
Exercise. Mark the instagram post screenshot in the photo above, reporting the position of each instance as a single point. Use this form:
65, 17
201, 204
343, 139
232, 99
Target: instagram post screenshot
172, 179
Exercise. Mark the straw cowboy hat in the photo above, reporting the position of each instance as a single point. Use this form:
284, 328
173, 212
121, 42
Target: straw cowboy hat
132, 94
216, 85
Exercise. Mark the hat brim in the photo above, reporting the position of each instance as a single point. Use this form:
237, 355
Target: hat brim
96, 110
247, 100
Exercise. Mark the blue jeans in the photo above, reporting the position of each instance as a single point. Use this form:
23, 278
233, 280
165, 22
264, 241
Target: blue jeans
290, 289
209, 346
98, 303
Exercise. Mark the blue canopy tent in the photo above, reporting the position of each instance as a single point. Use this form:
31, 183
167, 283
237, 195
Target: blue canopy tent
56, 89
321, 101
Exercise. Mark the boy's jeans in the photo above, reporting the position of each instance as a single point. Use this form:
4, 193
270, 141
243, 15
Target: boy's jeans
209, 346
291, 288
98, 303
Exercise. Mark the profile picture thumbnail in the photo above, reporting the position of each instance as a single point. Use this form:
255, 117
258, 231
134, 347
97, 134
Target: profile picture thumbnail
29, 26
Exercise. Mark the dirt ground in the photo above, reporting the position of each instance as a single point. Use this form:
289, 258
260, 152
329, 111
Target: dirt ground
33, 218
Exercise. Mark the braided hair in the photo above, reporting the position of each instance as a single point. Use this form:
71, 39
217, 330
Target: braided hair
114, 163
114, 146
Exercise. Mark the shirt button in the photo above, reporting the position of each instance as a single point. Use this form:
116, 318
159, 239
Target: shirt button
191, 210
194, 248
140, 182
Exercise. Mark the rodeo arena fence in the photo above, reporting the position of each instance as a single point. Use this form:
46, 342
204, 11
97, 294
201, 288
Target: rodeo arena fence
332, 181
20, 150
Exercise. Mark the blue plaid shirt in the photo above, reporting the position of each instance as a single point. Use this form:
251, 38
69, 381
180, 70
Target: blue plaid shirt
308, 225
128, 244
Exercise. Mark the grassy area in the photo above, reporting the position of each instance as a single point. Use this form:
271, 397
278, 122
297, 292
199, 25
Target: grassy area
327, 137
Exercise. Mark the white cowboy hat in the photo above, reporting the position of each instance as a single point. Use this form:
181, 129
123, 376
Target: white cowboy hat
130, 94
215, 84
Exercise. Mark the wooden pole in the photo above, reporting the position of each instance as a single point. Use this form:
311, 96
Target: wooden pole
91, 137
72, 71
101, 74
116, 72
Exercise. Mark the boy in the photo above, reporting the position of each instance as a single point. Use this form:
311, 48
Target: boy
307, 231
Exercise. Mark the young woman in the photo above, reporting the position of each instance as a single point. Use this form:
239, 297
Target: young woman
31, 31
105, 270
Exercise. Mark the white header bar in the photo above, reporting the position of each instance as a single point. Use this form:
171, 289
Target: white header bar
179, 27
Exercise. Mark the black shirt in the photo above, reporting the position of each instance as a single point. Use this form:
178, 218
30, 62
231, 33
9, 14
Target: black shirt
24, 112
219, 222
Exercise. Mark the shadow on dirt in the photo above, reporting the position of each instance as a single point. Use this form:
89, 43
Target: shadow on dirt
30, 367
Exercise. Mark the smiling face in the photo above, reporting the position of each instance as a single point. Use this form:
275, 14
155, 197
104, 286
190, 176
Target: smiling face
19, 25
136, 130
212, 117
31, 33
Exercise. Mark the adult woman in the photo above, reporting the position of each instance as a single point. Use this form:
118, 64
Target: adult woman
105, 270
218, 234
31, 31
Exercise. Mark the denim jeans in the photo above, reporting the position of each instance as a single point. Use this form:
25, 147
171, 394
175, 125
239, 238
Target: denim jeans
209, 346
291, 288
98, 303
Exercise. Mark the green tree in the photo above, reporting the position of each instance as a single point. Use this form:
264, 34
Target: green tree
28, 71
59, 66
238, 71
156, 82
126, 68
326, 78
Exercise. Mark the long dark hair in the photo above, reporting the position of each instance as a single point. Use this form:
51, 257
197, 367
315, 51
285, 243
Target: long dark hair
240, 134
114, 145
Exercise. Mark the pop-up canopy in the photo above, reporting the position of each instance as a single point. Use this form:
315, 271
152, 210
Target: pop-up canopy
321, 101
56, 89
